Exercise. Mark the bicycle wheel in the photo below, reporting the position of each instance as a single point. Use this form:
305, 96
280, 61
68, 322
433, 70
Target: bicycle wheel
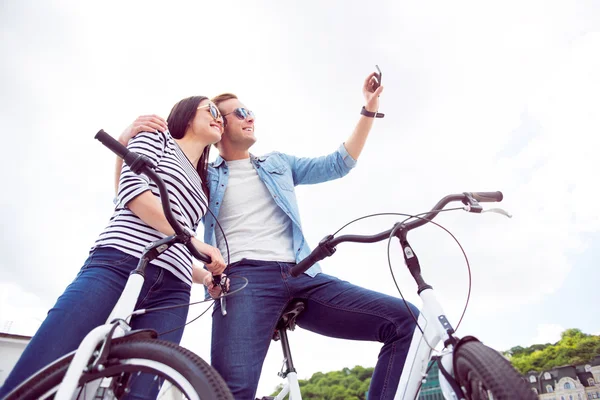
175, 370
483, 373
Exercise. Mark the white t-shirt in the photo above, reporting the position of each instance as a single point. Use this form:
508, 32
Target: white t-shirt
255, 226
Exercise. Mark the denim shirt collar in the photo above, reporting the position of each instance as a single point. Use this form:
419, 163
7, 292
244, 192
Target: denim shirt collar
220, 160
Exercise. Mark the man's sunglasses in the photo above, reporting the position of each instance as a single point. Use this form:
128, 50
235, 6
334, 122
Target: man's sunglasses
214, 111
241, 113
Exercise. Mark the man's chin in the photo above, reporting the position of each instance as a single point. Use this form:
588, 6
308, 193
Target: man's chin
249, 141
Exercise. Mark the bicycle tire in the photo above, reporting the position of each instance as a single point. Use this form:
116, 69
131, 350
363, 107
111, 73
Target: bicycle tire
481, 371
130, 356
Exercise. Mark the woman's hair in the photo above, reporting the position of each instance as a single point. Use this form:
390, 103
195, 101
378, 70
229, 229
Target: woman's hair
182, 113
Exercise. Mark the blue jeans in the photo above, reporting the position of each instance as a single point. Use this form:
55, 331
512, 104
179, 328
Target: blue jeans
334, 308
87, 303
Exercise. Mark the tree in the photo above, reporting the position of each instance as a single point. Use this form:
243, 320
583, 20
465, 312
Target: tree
573, 348
347, 384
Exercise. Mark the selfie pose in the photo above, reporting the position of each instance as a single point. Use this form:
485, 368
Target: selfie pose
253, 198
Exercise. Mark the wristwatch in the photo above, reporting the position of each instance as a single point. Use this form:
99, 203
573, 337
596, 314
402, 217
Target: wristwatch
371, 114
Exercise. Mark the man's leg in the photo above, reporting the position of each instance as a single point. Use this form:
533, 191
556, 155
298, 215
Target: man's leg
240, 339
340, 309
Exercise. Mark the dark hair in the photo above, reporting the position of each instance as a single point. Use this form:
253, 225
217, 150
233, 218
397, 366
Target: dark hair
182, 113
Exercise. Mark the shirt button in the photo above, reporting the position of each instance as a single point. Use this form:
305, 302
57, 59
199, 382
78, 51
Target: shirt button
211, 225
222, 185
217, 202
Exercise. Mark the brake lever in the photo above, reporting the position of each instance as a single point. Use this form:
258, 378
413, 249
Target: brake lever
499, 211
479, 210
223, 284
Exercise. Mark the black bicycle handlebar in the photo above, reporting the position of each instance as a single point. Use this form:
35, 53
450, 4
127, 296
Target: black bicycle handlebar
139, 163
490, 197
112, 144
326, 246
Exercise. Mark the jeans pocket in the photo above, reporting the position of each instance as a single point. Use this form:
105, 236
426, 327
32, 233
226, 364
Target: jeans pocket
111, 257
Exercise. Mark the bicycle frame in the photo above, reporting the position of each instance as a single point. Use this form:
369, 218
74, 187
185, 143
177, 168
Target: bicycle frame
123, 309
435, 328
290, 387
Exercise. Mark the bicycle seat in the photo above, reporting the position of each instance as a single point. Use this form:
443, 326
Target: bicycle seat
288, 317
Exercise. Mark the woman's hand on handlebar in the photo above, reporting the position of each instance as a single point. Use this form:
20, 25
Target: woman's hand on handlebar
213, 290
143, 123
217, 266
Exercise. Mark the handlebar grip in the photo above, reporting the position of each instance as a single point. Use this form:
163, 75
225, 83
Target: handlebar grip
487, 196
317, 255
111, 143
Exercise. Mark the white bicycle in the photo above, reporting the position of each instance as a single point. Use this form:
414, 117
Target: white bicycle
467, 368
112, 356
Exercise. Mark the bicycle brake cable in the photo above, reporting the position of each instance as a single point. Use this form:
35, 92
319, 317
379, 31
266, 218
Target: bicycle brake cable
464, 254
418, 216
211, 300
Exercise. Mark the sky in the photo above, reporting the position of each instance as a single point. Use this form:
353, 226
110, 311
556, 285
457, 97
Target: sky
479, 96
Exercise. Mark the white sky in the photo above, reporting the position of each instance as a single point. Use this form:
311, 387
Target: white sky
478, 96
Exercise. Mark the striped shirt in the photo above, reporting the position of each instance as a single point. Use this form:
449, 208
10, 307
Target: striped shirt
129, 233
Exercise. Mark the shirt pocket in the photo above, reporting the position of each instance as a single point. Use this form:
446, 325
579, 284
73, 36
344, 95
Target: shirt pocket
280, 173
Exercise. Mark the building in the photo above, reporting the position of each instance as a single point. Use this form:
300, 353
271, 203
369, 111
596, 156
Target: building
569, 382
11, 347
430, 389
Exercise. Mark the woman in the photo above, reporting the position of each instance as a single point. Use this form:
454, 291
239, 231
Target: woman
181, 158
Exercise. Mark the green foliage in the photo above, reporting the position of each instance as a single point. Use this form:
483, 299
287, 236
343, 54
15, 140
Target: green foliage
574, 347
347, 384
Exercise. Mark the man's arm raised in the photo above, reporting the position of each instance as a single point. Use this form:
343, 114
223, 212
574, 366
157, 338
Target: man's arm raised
357, 139
308, 170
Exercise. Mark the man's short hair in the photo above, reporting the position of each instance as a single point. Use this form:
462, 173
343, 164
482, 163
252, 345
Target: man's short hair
223, 97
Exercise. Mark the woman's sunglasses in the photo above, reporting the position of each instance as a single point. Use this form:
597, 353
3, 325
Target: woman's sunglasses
241, 113
214, 111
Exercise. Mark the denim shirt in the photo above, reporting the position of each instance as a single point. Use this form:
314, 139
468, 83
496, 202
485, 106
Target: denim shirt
280, 173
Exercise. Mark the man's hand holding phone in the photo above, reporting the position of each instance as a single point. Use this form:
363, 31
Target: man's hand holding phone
372, 88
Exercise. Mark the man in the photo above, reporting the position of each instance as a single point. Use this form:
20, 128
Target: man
254, 201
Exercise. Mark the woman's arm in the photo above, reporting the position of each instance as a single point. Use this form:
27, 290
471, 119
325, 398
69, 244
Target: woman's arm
134, 193
143, 123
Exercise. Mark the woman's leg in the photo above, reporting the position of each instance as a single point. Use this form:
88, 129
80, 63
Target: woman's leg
161, 289
85, 304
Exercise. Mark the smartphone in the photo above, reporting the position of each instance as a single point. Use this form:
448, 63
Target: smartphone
378, 77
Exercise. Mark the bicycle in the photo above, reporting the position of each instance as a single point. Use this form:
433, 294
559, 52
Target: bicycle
112, 354
467, 368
